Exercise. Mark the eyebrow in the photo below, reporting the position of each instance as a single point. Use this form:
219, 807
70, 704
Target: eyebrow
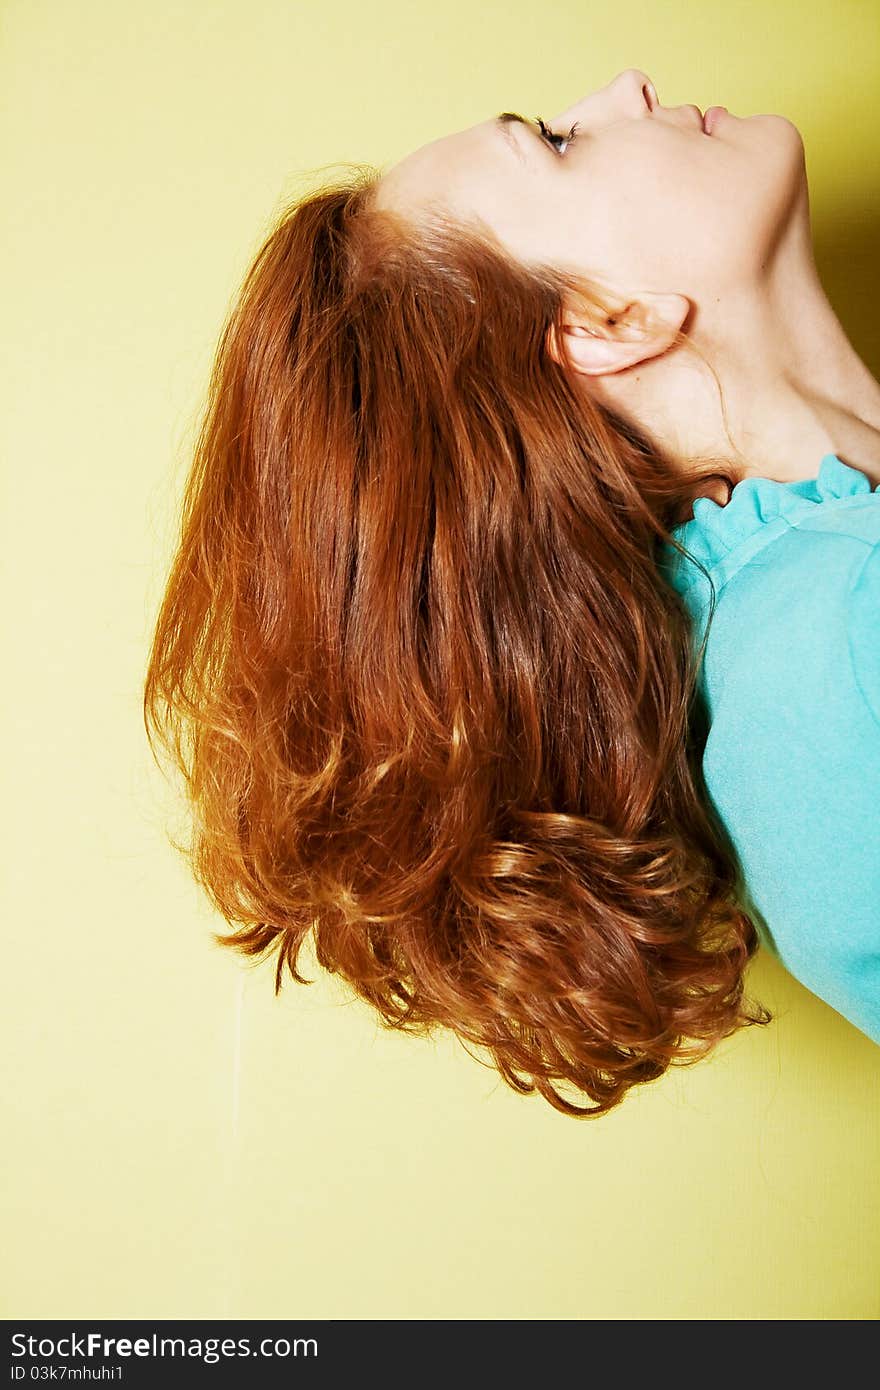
506, 120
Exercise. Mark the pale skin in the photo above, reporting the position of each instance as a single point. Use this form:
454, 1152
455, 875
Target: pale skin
705, 233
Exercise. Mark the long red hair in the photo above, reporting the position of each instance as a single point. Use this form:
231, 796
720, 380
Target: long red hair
432, 697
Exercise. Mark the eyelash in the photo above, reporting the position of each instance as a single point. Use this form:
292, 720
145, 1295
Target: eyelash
553, 138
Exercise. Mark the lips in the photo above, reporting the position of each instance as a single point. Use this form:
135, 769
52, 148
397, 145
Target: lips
712, 116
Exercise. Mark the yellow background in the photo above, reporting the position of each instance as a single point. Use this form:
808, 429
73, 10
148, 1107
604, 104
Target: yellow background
179, 1143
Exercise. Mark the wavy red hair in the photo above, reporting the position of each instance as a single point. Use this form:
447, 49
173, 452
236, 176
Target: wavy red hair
433, 700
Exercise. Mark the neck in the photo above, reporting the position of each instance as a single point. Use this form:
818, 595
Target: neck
794, 387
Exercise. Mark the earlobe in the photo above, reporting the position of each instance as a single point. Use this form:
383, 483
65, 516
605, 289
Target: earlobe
644, 328
590, 352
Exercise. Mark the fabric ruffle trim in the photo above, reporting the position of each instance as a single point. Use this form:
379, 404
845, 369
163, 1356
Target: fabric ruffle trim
716, 531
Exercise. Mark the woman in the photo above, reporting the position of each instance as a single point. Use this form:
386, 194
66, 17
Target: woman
423, 658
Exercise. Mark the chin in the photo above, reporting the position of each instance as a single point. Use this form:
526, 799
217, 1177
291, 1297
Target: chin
783, 147
781, 129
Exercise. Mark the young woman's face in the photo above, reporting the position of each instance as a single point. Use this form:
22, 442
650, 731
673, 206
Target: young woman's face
641, 198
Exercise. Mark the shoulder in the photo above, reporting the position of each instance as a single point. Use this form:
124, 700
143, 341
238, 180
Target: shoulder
768, 524
791, 679
801, 617
785, 593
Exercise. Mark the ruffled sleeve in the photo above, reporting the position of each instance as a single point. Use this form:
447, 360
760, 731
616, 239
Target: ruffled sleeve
723, 538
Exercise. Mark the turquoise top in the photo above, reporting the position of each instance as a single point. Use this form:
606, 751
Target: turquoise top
791, 679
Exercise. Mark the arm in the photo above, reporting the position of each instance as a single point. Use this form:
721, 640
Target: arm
793, 759
864, 631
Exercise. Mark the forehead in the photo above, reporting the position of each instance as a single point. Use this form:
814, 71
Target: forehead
452, 168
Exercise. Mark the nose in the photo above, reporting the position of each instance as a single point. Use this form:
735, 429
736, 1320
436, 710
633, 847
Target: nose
633, 83
638, 89
630, 93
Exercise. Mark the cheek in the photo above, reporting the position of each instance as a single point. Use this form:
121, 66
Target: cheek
628, 213
635, 219
703, 217
746, 195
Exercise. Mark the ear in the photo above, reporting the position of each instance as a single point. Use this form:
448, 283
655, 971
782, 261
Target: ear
644, 328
